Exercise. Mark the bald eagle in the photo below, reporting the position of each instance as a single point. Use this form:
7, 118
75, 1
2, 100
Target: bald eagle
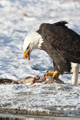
60, 42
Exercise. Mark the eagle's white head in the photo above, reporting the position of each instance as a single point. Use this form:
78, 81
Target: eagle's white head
32, 41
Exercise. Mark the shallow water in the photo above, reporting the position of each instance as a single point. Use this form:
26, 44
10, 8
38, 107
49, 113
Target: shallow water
27, 117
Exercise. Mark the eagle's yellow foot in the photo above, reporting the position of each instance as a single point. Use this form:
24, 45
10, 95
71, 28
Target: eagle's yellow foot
53, 74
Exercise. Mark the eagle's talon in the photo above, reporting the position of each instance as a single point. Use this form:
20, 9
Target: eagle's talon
53, 74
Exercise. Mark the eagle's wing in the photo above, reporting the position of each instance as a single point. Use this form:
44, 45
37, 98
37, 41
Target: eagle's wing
62, 38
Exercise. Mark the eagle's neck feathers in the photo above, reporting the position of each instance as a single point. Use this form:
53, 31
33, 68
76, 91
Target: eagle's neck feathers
34, 40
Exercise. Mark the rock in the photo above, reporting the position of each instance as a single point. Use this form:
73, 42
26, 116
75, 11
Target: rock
24, 14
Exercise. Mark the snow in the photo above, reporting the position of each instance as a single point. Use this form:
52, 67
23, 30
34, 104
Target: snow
13, 29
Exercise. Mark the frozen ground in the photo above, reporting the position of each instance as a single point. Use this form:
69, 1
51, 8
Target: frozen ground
13, 29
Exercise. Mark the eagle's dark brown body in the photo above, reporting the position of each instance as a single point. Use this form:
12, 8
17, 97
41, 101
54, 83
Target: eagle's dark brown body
62, 45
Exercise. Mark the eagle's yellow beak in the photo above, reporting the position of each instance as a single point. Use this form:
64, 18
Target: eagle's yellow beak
26, 54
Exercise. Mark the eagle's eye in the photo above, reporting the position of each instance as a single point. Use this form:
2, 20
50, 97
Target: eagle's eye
28, 47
